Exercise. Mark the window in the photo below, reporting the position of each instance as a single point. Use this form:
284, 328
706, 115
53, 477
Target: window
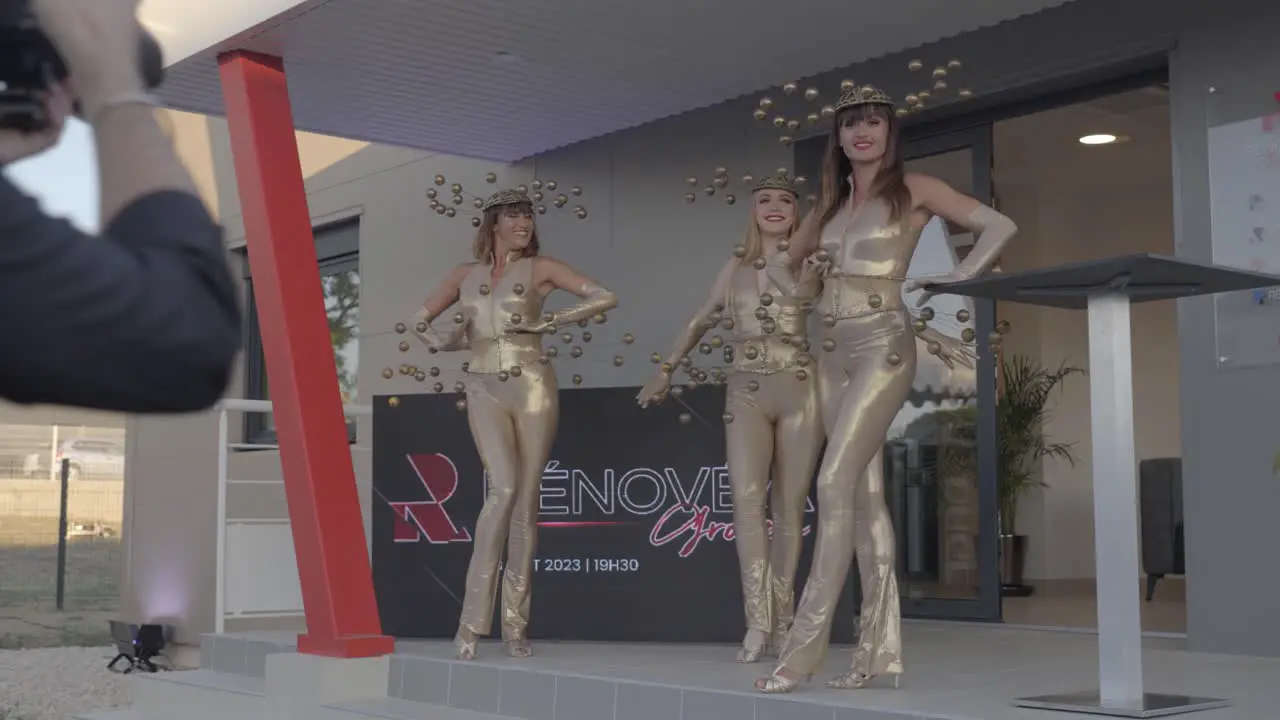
338, 252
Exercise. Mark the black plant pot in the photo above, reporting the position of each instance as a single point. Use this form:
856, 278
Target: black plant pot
1013, 560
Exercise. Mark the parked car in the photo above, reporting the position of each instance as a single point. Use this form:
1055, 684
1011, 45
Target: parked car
90, 458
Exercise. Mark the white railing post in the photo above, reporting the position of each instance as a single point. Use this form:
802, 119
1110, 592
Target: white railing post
220, 589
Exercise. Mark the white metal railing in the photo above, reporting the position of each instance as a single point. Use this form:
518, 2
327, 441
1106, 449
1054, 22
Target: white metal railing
225, 445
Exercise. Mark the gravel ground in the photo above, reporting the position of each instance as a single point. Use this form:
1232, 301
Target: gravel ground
58, 683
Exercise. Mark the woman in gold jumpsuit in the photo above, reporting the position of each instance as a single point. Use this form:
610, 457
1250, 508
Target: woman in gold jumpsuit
771, 405
861, 237
512, 398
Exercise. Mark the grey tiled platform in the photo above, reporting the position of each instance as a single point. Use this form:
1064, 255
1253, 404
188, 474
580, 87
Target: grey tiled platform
954, 672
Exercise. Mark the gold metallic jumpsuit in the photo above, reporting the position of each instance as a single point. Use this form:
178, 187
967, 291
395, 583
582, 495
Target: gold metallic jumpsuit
865, 372
774, 428
513, 408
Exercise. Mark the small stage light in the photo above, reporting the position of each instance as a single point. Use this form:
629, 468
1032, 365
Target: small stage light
138, 645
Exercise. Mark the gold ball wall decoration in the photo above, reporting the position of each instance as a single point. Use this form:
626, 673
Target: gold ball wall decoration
600, 318
939, 72
461, 404
914, 65
393, 401
730, 199
484, 289
677, 391
438, 387
434, 371
995, 338
576, 191
524, 189
893, 359
618, 361
575, 352
477, 203
586, 337
421, 327
628, 338
727, 418
420, 376
919, 325
490, 178
517, 289
934, 347
404, 346
553, 352
503, 375
955, 64
388, 373
459, 318
926, 313
760, 114
690, 197
875, 301
962, 315
693, 181
940, 85
759, 263
753, 385
748, 178
450, 212
766, 103
822, 255
811, 94
516, 318
459, 387
456, 189
516, 371
828, 111
784, 245
802, 374
541, 209
779, 121
401, 328
965, 93
846, 85
720, 181
789, 88
655, 358
829, 320
901, 112
786, 140
475, 222
577, 379
709, 190
439, 180
1003, 327
968, 334
705, 348
766, 299
813, 118
566, 338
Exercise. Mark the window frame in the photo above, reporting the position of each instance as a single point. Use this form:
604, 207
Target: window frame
337, 251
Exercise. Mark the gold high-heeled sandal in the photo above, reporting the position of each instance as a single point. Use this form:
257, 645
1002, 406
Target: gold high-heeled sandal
778, 684
857, 681
752, 651
519, 648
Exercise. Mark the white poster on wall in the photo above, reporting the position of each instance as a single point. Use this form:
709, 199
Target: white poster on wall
1244, 177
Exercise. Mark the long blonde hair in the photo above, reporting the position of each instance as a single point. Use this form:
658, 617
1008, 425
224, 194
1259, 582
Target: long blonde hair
754, 240
482, 245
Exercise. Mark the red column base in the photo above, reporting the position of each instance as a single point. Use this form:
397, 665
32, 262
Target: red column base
350, 647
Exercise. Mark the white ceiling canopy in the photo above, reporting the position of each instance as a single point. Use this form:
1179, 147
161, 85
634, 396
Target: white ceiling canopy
504, 80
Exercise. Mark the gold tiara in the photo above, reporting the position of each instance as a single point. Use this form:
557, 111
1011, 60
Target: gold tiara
506, 197
790, 119
545, 194
865, 95
776, 181
722, 184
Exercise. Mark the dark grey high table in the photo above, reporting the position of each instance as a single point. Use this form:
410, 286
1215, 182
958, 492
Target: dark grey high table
1106, 288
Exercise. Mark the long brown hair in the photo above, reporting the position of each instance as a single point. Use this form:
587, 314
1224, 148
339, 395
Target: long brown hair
754, 240
482, 245
889, 184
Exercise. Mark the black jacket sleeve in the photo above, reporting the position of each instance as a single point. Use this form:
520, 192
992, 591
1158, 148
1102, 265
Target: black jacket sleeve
142, 318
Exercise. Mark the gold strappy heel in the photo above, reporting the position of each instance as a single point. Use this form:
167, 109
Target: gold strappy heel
777, 684
519, 648
752, 651
857, 681
466, 648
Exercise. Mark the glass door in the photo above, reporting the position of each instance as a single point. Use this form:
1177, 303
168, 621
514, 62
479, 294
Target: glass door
939, 455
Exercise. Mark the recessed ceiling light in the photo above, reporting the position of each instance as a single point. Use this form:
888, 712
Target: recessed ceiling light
1099, 139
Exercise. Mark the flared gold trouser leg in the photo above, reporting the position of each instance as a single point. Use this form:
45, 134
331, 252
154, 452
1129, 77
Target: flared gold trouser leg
861, 393
513, 426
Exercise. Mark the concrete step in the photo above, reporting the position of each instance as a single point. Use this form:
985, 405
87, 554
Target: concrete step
370, 709
196, 694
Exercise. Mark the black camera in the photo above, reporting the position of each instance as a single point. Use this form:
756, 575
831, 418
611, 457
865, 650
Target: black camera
30, 64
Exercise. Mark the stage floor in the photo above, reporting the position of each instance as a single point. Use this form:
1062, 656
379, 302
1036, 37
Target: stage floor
954, 672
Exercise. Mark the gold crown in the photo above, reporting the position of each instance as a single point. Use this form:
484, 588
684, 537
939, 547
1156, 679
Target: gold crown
506, 197
542, 190
776, 181
790, 117
779, 179
864, 95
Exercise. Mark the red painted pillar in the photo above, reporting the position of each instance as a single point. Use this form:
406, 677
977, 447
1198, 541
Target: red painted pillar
324, 509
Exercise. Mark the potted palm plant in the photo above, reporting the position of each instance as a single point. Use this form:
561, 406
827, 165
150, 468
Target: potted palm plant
1022, 410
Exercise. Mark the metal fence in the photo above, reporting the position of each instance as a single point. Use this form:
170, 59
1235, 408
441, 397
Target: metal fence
35, 502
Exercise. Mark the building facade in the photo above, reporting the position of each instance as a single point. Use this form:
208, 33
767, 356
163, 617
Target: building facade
375, 231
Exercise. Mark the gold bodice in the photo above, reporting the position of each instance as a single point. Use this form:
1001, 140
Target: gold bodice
492, 305
769, 331
869, 257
